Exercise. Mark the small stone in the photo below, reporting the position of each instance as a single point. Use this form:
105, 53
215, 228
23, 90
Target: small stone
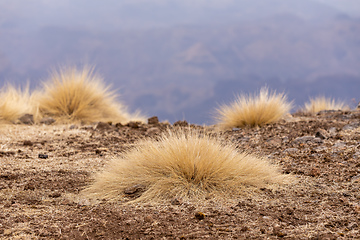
47, 120
321, 133
73, 127
291, 150
303, 139
27, 143
133, 124
134, 189
176, 201
314, 172
148, 218
199, 215
7, 232
27, 119
181, 123
153, 131
153, 120
43, 156
340, 145
278, 232
103, 126
55, 195
118, 125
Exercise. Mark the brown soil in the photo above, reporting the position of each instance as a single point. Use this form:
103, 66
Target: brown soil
39, 194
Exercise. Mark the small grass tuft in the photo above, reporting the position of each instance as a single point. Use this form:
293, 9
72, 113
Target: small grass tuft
322, 103
183, 165
79, 95
14, 103
253, 110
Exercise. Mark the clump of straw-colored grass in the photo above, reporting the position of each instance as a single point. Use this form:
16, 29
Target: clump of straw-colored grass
79, 95
182, 164
14, 103
322, 103
253, 110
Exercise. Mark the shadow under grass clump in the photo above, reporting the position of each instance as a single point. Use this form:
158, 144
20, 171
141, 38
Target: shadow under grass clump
253, 110
182, 164
79, 95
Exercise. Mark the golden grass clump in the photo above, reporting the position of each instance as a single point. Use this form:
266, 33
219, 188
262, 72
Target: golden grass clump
254, 110
79, 95
14, 103
322, 103
188, 165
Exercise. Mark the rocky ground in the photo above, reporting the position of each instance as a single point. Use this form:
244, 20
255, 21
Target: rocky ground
44, 167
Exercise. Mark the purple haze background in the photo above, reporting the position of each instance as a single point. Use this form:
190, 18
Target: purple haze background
180, 59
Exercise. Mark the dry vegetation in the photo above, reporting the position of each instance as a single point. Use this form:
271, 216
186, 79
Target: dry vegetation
72, 95
183, 164
254, 110
318, 104
69, 96
14, 103
174, 181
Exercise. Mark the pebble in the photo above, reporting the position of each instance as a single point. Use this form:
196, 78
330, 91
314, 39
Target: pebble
47, 120
153, 120
181, 123
322, 134
27, 119
306, 139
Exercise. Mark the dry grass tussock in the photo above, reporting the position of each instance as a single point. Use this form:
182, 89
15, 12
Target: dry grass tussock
322, 103
188, 165
254, 110
79, 95
14, 103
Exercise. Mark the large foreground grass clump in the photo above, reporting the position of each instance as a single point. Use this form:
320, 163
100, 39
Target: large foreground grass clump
322, 103
254, 110
14, 103
186, 165
79, 95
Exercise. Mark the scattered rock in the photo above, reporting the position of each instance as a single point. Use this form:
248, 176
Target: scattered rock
333, 131
153, 120
148, 219
181, 123
339, 145
314, 172
303, 139
7, 232
199, 215
136, 189
153, 131
73, 127
27, 119
103, 126
275, 141
322, 134
55, 195
176, 201
118, 125
278, 232
47, 120
351, 126
291, 150
27, 143
133, 124
43, 156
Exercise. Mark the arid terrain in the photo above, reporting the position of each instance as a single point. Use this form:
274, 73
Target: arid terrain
43, 168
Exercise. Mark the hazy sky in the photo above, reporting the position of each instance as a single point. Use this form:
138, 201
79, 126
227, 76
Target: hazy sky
172, 57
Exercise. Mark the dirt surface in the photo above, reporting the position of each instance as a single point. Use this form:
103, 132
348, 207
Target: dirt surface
43, 169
